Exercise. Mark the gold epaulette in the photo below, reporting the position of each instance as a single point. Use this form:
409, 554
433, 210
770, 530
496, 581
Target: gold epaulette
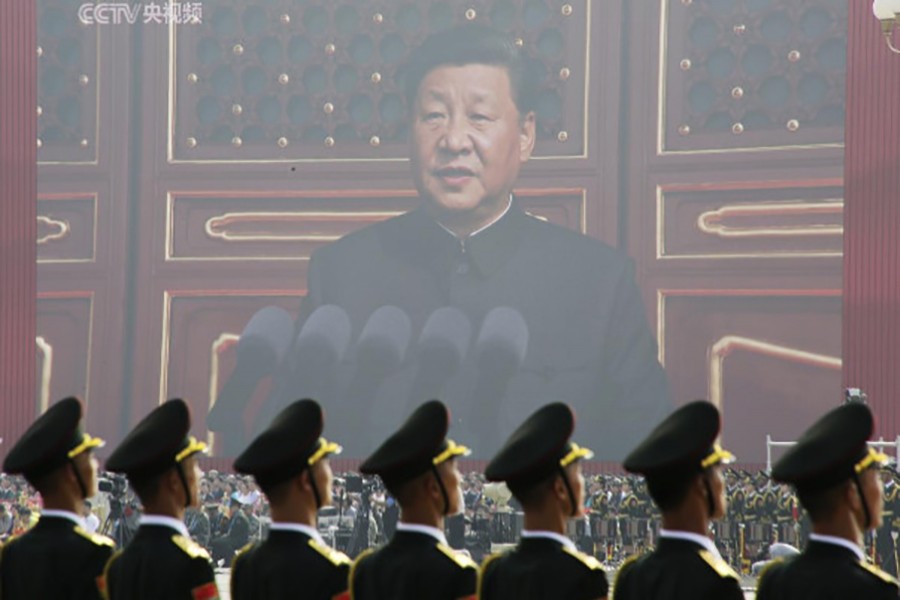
461, 559
878, 573
100, 540
589, 561
105, 576
626, 565
240, 553
190, 547
336, 558
719, 566
483, 571
769, 565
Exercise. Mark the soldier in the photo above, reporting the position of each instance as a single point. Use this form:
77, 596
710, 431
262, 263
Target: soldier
683, 468
836, 477
57, 558
289, 461
887, 535
418, 467
542, 469
161, 561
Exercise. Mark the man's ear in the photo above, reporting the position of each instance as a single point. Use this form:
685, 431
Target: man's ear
527, 135
432, 488
559, 490
302, 481
852, 497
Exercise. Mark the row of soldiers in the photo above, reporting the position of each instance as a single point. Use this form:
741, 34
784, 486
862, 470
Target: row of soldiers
832, 468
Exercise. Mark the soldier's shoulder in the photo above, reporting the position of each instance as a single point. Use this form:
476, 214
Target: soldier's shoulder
95, 538
772, 569
336, 558
719, 566
191, 548
12, 542
628, 567
583, 559
493, 560
364, 557
460, 559
243, 554
878, 575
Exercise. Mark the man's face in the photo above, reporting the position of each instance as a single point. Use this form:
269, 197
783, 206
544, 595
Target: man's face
468, 139
193, 474
576, 480
873, 490
321, 472
717, 487
451, 477
86, 464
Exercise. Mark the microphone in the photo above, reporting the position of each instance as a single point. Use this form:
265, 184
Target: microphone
499, 353
440, 351
311, 367
380, 350
260, 349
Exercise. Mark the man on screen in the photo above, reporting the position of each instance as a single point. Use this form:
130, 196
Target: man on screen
471, 246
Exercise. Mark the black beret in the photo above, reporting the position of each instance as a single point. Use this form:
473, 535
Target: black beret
157, 443
55, 437
538, 448
417, 446
683, 444
292, 443
830, 451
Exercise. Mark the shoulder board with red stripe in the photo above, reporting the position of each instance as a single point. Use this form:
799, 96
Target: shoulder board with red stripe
208, 591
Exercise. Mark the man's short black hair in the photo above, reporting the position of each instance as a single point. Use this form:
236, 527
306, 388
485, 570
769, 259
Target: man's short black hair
821, 504
669, 491
532, 493
471, 44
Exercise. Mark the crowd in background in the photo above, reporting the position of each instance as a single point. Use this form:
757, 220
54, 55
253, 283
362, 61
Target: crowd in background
620, 517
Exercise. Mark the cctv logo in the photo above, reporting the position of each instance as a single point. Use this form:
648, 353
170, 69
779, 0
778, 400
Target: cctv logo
105, 13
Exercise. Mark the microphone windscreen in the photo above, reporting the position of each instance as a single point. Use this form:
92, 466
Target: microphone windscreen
503, 338
269, 331
384, 339
445, 338
326, 329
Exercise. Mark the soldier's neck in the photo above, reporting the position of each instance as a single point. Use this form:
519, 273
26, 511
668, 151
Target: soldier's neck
164, 506
421, 515
681, 519
545, 518
294, 512
62, 501
843, 526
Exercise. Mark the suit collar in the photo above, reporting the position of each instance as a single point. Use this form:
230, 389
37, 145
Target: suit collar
827, 545
310, 532
486, 251
61, 516
550, 536
690, 537
165, 521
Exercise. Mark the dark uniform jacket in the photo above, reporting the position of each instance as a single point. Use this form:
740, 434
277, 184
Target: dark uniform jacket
677, 570
589, 343
197, 523
825, 571
55, 559
542, 569
289, 564
160, 563
236, 536
412, 566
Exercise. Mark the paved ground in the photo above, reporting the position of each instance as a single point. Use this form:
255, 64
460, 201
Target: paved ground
225, 592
